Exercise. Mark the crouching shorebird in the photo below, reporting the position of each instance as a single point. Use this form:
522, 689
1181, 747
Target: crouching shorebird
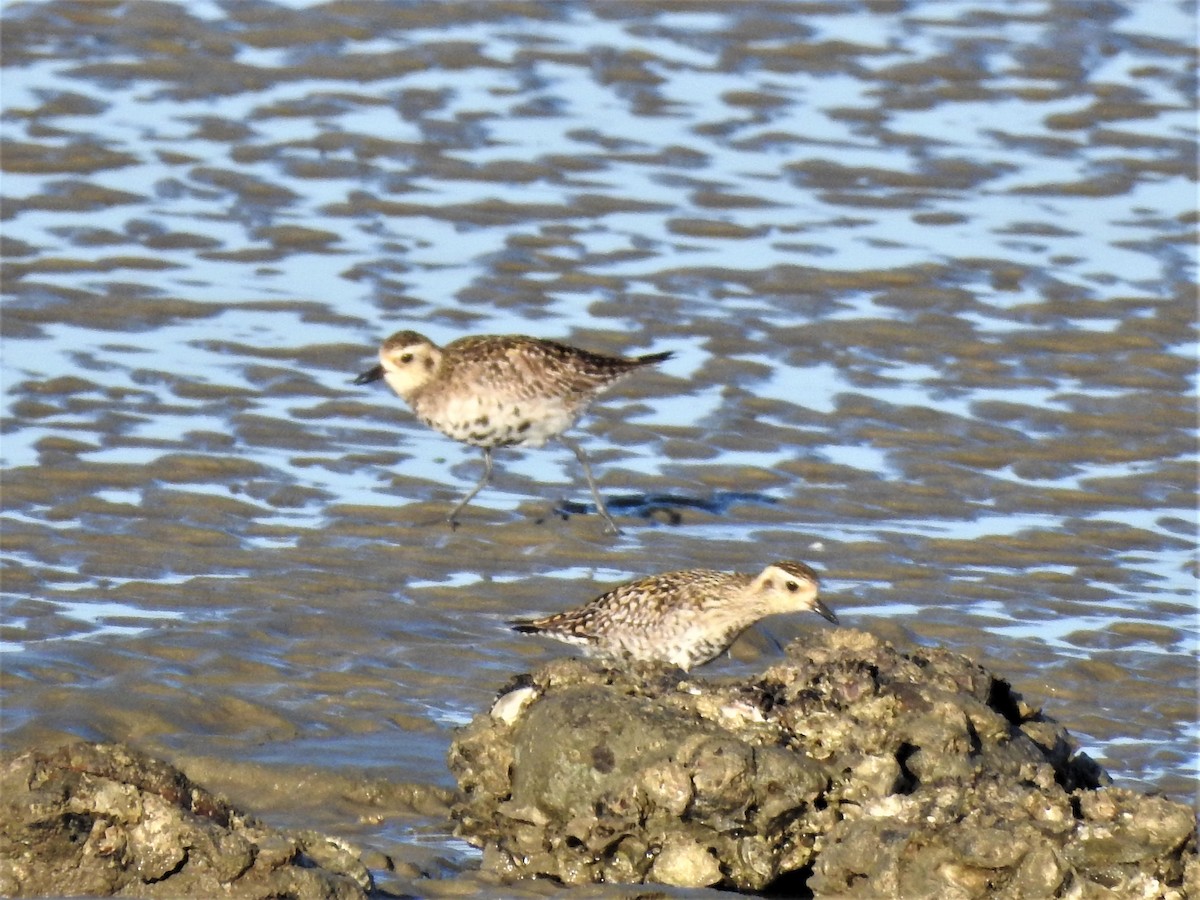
685, 618
501, 391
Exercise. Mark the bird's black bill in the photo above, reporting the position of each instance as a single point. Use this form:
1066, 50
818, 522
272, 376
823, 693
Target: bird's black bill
825, 612
370, 375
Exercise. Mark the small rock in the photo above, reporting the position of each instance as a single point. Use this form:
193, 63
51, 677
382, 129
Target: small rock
685, 862
508, 707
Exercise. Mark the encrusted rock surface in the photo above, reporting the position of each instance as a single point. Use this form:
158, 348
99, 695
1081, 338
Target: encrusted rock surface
850, 769
101, 819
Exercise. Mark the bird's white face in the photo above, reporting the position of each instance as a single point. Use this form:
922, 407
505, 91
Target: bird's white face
790, 587
407, 367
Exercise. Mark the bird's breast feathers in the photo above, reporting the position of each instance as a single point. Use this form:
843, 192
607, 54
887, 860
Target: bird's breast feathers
492, 420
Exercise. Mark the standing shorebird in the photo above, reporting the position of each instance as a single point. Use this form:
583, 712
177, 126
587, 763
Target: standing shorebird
501, 391
685, 618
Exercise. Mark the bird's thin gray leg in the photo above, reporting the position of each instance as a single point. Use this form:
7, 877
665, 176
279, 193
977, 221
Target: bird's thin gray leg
487, 476
587, 471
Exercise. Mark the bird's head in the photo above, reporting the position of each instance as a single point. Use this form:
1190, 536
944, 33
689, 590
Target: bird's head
790, 587
407, 360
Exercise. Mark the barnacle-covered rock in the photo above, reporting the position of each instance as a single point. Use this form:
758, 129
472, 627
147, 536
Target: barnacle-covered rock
102, 819
849, 767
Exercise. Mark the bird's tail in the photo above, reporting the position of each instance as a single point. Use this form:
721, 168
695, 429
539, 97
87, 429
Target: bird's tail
651, 358
524, 626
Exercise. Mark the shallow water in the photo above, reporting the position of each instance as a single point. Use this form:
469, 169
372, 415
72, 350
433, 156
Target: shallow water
927, 269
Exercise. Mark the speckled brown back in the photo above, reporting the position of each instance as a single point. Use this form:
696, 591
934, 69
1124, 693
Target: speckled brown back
641, 605
522, 368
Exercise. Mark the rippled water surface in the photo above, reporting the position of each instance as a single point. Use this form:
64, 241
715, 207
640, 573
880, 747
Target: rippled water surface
927, 269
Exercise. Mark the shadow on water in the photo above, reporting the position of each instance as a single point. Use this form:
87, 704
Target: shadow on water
668, 506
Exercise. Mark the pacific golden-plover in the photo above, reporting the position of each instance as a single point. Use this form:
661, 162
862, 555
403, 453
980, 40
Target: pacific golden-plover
685, 618
501, 391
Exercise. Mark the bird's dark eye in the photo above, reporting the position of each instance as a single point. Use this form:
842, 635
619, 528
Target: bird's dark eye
406, 357
792, 586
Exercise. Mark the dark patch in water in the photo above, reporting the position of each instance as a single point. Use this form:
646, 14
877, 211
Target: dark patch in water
646, 506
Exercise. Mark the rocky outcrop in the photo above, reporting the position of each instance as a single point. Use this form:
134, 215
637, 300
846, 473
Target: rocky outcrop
849, 769
101, 819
